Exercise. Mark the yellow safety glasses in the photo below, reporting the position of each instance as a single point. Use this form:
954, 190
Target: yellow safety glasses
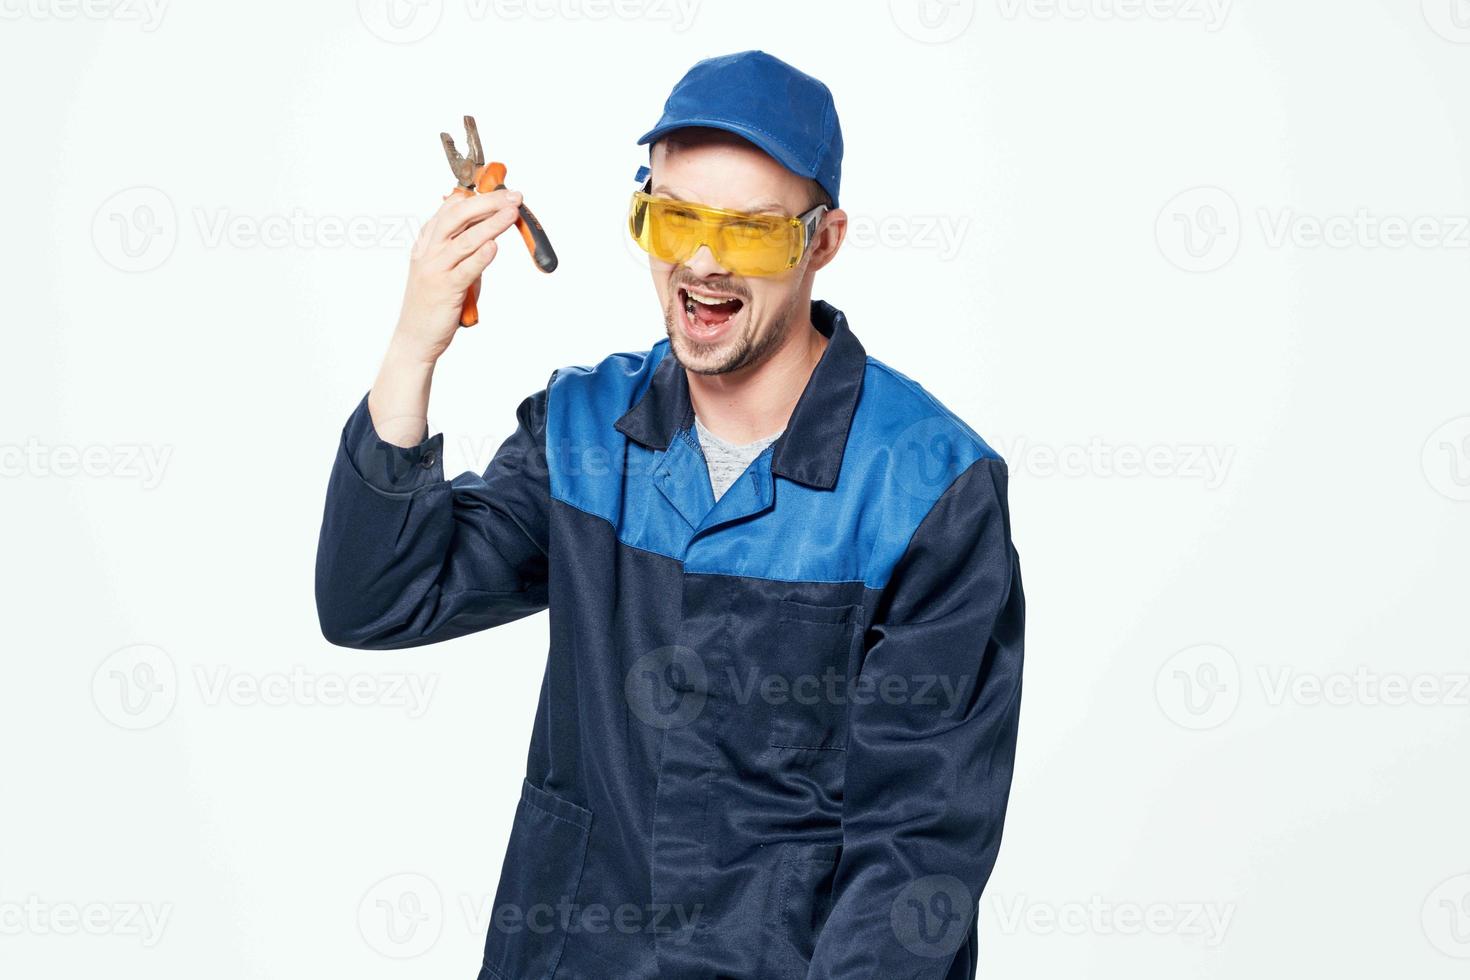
745, 244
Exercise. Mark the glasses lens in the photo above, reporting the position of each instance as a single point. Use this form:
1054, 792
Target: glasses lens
758, 245
638, 219
747, 245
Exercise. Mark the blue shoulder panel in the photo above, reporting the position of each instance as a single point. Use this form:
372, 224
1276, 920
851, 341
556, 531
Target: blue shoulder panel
904, 449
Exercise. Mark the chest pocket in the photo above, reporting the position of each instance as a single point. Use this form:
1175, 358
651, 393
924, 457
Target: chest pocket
816, 655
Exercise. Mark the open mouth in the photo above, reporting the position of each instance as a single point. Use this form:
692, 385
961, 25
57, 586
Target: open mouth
708, 315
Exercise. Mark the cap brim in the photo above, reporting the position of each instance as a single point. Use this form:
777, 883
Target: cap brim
774, 149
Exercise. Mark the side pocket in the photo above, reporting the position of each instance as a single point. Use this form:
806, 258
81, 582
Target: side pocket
540, 878
814, 647
804, 900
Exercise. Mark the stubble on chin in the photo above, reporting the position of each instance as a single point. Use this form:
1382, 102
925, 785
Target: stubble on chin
732, 354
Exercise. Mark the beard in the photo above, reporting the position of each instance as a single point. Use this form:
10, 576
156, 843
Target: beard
750, 346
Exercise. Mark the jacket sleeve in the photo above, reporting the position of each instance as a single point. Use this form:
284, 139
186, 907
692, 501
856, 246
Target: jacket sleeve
929, 774
407, 558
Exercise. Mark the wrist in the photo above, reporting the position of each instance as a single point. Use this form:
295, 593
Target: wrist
408, 353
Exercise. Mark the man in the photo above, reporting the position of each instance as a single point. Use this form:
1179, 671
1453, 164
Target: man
778, 720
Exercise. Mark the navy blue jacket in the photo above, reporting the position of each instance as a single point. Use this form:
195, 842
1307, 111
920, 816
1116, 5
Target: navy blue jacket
776, 733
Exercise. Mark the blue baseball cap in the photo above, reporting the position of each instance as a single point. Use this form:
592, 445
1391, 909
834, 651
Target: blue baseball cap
785, 112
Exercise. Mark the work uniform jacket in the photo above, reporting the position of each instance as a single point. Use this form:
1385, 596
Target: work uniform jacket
776, 732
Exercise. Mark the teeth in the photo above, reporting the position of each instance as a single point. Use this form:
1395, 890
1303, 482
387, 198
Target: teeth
706, 299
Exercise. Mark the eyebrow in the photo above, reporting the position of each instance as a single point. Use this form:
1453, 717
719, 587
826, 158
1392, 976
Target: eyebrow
762, 207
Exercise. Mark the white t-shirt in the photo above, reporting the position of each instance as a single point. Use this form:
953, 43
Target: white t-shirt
725, 460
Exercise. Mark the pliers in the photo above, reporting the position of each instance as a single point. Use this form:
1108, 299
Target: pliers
474, 176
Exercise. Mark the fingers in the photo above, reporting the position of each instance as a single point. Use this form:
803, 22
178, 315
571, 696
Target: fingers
458, 213
466, 242
472, 266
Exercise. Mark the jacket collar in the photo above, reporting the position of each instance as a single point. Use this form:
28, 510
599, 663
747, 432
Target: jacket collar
810, 450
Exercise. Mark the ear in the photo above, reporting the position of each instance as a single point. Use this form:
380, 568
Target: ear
828, 239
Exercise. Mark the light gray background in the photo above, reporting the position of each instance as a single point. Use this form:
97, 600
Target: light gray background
1197, 268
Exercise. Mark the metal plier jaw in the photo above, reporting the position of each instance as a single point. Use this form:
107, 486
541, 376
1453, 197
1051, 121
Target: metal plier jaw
466, 168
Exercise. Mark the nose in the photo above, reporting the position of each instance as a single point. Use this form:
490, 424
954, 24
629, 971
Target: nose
704, 264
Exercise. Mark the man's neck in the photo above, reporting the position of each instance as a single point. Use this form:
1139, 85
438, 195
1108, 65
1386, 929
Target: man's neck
756, 401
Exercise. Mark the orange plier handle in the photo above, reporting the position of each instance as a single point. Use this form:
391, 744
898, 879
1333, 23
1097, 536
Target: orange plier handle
475, 176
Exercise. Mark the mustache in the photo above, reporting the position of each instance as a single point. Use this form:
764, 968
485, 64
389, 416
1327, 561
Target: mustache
716, 285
